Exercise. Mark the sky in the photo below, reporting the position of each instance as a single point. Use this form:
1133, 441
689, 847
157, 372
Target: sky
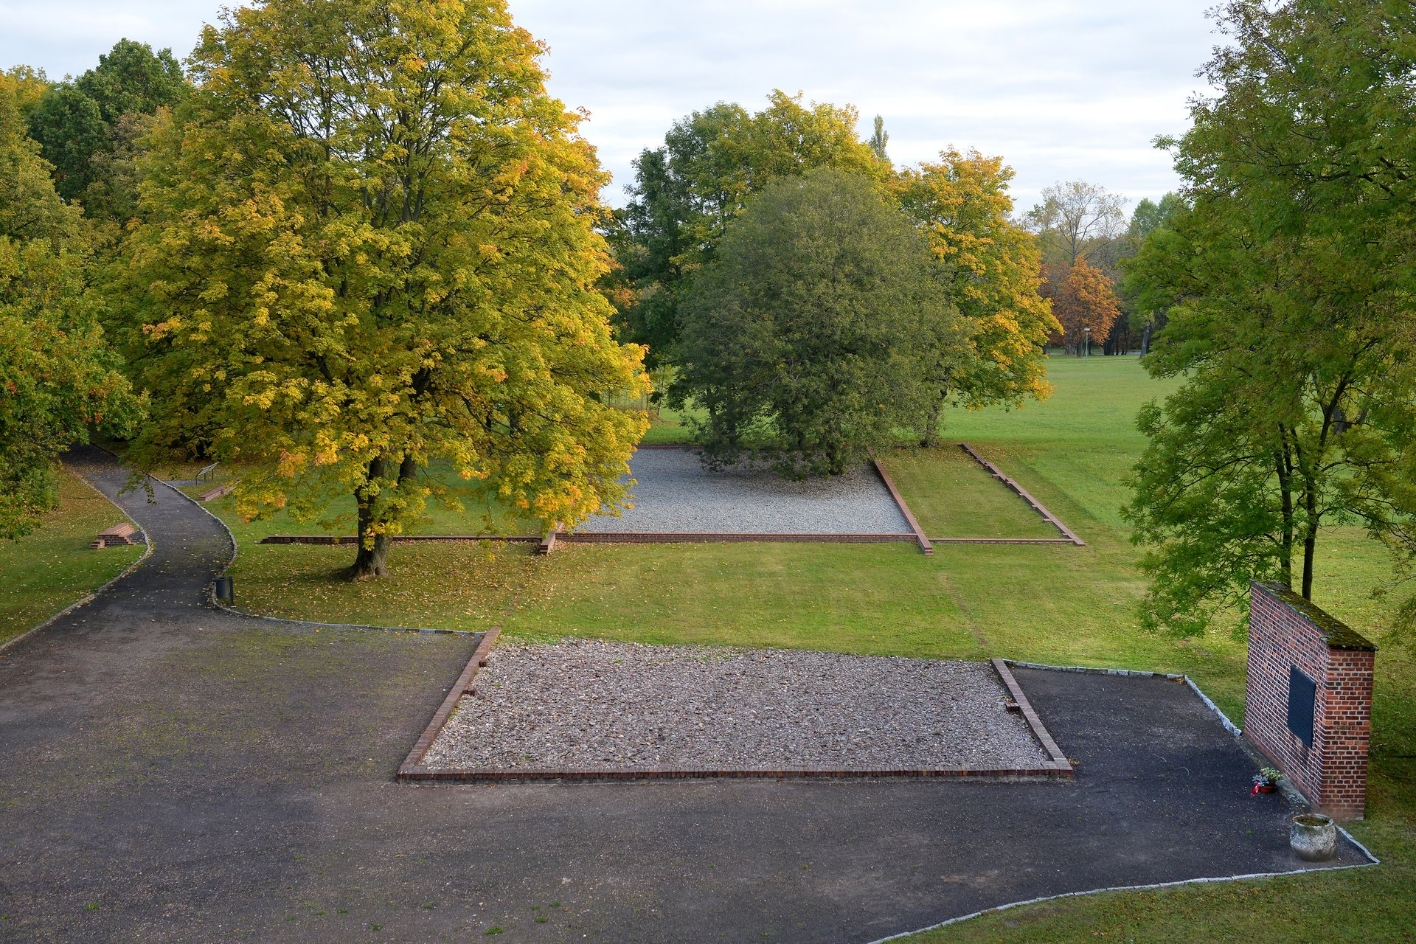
1062, 89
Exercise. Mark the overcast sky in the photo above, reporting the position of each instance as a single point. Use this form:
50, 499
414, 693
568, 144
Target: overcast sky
1063, 89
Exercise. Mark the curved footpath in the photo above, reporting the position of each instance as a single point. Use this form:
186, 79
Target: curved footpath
169, 772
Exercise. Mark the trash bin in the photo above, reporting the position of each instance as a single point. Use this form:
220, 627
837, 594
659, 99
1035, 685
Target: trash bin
225, 593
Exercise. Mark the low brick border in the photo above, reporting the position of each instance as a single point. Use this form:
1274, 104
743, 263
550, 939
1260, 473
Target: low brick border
924, 543
1059, 760
728, 537
1023, 493
349, 539
618, 537
1068, 541
413, 770
413, 762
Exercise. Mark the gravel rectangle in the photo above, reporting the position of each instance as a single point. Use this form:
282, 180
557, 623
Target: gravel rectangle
675, 494
582, 705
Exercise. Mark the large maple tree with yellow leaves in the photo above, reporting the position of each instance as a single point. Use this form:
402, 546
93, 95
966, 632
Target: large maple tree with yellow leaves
368, 243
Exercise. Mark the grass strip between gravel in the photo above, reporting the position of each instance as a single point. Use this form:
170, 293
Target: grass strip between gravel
53, 567
1052, 604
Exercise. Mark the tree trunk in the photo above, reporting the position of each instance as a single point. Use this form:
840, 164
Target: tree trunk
931, 431
1146, 338
371, 561
1310, 535
1285, 486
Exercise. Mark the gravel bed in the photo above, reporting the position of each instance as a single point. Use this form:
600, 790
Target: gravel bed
584, 705
675, 494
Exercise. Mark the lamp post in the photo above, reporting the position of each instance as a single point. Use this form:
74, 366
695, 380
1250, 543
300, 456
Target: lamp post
1089, 343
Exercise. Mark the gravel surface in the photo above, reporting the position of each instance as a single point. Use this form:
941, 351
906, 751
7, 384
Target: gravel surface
676, 494
586, 705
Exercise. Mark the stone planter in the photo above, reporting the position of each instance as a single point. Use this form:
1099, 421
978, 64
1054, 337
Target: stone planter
1314, 837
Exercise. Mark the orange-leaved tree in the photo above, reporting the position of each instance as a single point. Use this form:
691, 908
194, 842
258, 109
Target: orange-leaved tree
1086, 299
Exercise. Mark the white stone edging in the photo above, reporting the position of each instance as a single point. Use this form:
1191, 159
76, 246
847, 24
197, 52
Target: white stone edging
1229, 726
235, 549
1132, 888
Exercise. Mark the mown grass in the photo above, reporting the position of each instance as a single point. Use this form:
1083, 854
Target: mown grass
952, 496
1055, 604
52, 567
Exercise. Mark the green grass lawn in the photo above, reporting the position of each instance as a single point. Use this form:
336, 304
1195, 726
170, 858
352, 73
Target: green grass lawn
952, 496
51, 568
1045, 603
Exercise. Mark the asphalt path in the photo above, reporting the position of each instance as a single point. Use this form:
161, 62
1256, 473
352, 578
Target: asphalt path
169, 772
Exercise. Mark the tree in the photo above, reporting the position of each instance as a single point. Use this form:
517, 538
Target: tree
27, 85
368, 242
880, 140
78, 124
130, 79
69, 127
57, 377
1146, 313
687, 192
808, 329
1085, 305
1289, 281
962, 206
1076, 220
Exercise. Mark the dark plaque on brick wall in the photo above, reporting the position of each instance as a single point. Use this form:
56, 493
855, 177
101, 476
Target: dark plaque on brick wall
1302, 695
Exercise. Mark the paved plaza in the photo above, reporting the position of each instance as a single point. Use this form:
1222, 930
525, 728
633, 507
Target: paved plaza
170, 773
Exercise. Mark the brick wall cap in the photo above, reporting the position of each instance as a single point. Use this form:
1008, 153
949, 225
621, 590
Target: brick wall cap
1338, 634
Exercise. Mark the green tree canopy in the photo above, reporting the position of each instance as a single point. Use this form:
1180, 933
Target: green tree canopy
1146, 311
688, 191
57, 377
79, 124
370, 243
811, 328
1289, 281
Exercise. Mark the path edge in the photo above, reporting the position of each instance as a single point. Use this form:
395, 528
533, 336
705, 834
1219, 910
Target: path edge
210, 590
1218, 880
93, 595
1229, 726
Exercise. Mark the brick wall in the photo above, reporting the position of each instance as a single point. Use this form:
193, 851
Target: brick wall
1288, 632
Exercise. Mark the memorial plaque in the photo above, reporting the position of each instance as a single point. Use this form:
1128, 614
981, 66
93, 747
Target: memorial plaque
1302, 696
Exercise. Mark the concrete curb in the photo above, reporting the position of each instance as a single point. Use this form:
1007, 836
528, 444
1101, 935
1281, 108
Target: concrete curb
147, 542
1129, 888
235, 549
1229, 726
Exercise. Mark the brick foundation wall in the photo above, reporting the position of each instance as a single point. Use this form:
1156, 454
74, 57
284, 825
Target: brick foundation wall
1288, 632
